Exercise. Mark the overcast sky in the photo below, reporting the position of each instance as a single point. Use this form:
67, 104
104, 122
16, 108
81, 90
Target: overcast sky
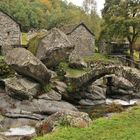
100, 4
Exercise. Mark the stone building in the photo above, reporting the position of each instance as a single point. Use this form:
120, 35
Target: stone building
82, 37
9, 32
114, 48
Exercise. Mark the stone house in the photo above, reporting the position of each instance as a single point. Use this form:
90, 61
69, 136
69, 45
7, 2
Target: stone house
9, 32
82, 37
114, 48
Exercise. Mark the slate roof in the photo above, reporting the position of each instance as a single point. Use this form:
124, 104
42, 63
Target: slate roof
10, 17
68, 29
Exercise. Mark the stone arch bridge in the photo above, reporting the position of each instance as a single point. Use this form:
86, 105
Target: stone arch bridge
131, 74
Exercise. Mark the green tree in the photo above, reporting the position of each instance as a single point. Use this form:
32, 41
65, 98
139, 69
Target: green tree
122, 20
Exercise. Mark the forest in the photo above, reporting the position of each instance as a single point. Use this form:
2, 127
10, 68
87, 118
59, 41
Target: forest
50, 13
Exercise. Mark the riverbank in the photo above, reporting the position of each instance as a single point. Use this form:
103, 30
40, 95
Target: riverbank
122, 126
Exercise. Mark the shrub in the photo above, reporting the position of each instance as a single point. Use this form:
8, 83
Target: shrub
47, 88
61, 71
5, 71
114, 108
70, 88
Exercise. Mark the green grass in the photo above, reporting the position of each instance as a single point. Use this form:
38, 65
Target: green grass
24, 40
97, 57
70, 72
1, 58
123, 126
74, 72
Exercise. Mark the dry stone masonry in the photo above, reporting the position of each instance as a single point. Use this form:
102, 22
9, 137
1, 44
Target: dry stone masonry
81, 37
9, 32
131, 74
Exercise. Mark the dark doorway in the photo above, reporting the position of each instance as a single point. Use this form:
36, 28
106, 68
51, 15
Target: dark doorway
0, 50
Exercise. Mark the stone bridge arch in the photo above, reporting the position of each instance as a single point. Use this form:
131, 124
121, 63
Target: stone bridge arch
131, 74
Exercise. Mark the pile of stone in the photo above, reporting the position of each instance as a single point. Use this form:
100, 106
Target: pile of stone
24, 100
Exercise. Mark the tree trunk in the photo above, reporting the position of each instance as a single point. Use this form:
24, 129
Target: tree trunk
131, 51
132, 64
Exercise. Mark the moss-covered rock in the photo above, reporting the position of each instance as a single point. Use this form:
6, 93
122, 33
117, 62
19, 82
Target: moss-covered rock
34, 42
63, 118
5, 71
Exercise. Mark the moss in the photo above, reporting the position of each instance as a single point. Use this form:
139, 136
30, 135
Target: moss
70, 72
70, 88
47, 88
97, 57
61, 71
24, 39
34, 42
5, 71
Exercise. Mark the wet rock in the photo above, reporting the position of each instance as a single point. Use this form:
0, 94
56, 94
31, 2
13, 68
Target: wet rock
3, 137
40, 106
96, 92
21, 88
100, 82
51, 107
122, 102
88, 102
25, 63
75, 61
51, 95
59, 86
7, 123
20, 131
68, 118
121, 83
24, 114
54, 48
119, 91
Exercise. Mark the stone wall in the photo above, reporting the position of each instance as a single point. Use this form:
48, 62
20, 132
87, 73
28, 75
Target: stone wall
131, 74
9, 31
83, 40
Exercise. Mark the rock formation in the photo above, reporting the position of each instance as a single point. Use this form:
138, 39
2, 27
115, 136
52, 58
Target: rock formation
68, 118
25, 63
54, 48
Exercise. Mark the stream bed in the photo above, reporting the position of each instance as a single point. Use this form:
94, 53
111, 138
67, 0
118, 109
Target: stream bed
103, 110
109, 108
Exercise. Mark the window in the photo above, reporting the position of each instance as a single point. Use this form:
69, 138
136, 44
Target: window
8, 33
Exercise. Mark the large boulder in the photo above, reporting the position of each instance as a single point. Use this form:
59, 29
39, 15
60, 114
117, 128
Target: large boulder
27, 108
54, 48
89, 102
51, 95
59, 86
25, 63
96, 92
3, 137
7, 123
21, 88
75, 61
69, 118
122, 83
